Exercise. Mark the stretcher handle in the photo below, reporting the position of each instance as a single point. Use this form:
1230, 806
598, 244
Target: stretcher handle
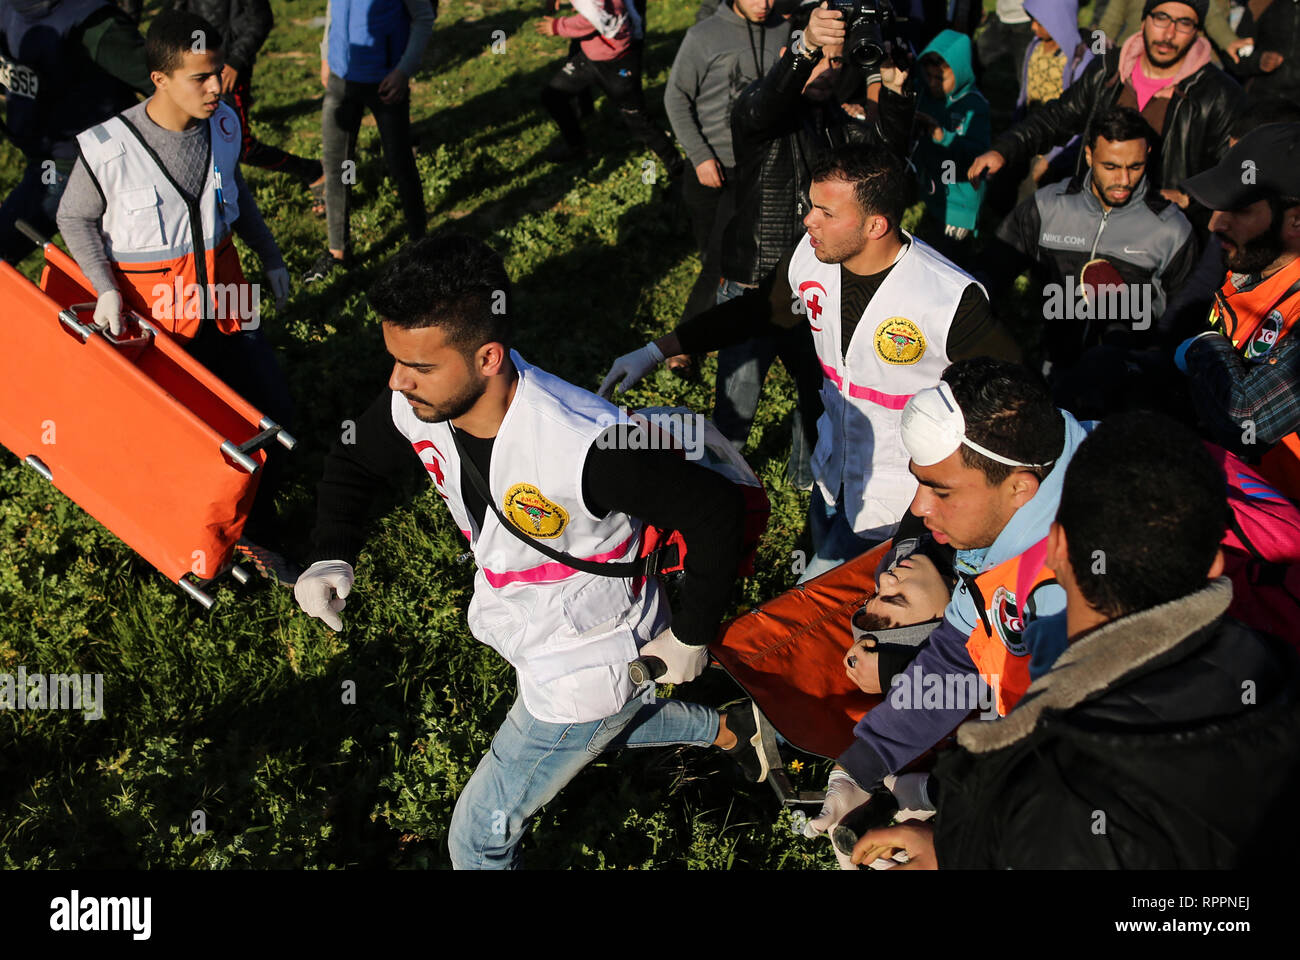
644, 669
70, 320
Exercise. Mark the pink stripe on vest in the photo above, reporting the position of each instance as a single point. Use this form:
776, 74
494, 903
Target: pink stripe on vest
553, 570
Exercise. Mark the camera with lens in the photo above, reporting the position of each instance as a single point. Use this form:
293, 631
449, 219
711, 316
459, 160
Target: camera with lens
873, 34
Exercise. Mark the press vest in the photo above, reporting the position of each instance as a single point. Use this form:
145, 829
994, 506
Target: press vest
569, 634
173, 261
1256, 320
899, 347
1004, 597
54, 89
367, 38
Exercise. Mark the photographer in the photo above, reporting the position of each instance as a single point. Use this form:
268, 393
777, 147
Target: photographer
810, 102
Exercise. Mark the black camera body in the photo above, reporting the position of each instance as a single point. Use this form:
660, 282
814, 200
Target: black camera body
872, 34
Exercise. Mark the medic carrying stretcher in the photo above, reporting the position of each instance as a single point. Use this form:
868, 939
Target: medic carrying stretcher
131, 428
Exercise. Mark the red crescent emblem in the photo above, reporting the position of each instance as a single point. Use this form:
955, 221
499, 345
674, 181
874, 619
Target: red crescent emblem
222, 121
813, 304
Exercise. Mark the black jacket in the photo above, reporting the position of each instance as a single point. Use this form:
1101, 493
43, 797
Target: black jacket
243, 24
1164, 739
1277, 29
776, 133
1195, 135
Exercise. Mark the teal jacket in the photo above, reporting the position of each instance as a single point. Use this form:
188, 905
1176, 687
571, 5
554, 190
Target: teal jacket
964, 116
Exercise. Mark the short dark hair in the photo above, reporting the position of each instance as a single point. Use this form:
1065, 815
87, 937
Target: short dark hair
172, 35
1144, 509
449, 280
1009, 410
880, 181
1122, 123
1262, 111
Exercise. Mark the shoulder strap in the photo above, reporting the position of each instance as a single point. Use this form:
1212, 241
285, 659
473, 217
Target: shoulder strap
643, 567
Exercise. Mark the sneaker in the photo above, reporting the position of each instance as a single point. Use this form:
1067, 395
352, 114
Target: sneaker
322, 267
756, 740
268, 563
561, 152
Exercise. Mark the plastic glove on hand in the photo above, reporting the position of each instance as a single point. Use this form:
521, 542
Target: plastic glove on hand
630, 368
322, 589
684, 662
108, 312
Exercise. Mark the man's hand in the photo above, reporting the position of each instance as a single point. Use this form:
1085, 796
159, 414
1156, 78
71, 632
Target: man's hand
825, 28
684, 662
1270, 60
393, 88
630, 368
324, 72
917, 839
893, 77
709, 173
986, 165
547, 27
229, 77
843, 796
1038, 169
278, 278
862, 665
1236, 45
322, 589
108, 312
1176, 196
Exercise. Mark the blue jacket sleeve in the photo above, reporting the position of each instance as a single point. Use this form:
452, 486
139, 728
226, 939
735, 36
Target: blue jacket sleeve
900, 728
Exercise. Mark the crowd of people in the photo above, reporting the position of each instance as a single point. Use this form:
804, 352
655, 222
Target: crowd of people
1053, 463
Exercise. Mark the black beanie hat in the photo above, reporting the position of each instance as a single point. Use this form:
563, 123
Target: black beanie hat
1200, 6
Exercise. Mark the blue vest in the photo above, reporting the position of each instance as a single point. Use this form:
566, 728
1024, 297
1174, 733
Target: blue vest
367, 38
55, 90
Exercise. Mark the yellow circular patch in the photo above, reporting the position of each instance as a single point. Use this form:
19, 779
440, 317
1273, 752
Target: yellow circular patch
532, 513
899, 341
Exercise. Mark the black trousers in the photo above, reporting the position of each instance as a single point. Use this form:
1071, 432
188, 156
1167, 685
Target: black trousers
621, 81
710, 209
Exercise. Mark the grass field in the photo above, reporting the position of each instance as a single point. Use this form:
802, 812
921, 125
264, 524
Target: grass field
238, 711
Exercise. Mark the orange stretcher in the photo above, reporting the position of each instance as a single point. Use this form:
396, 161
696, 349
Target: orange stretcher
787, 655
132, 429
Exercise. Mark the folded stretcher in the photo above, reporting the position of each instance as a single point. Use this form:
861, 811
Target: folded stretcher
132, 429
787, 655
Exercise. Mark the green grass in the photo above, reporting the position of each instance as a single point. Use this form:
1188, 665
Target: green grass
238, 711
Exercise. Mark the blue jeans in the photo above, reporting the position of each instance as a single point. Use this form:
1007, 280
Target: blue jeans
741, 372
34, 201
833, 540
530, 761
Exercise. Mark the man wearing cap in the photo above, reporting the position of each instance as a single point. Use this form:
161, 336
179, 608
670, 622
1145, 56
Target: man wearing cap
989, 452
1165, 73
1245, 370
886, 313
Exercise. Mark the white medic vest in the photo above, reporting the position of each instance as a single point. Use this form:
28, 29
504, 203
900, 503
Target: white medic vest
569, 634
899, 347
149, 234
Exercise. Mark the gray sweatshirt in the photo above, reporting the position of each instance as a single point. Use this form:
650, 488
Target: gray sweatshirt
718, 58
185, 154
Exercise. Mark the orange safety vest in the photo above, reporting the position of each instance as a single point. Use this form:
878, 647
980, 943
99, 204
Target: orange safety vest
173, 259
1256, 322
1004, 598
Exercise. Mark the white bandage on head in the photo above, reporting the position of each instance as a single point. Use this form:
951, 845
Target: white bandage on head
934, 427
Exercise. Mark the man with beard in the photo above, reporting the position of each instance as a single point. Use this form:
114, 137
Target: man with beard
546, 492
1164, 72
1107, 249
1245, 371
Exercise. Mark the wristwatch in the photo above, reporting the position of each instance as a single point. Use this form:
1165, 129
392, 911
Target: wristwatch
801, 50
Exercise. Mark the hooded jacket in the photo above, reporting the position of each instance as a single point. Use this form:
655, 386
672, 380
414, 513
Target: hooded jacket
1061, 19
1203, 103
890, 736
1161, 740
963, 116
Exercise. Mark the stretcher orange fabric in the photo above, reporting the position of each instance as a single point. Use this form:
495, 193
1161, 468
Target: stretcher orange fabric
787, 655
136, 432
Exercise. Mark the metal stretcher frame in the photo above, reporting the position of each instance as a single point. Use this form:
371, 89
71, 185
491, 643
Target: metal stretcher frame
132, 429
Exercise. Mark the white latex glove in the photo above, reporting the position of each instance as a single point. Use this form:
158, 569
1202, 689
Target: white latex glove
684, 662
278, 277
910, 792
842, 796
630, 368
108, 312
321, 590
